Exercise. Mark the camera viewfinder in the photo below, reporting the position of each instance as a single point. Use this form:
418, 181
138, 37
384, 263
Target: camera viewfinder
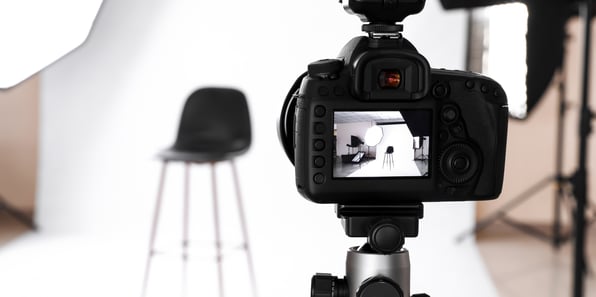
390, 79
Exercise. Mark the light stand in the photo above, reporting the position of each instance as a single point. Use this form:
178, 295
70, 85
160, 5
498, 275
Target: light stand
578, 181
581, 176
561, 180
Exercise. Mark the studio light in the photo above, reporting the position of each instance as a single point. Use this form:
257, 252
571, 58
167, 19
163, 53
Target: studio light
504, 59
35, 33
544, 46
373, 136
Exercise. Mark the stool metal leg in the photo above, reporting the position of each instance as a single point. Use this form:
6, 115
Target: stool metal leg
244, 229
392, 164
154, 227
185, 211
217, 231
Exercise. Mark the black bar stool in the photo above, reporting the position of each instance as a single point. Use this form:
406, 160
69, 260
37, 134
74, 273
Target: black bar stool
214, 127
388, 158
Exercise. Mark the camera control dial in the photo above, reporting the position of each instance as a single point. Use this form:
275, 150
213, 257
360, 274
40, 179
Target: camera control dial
459, 163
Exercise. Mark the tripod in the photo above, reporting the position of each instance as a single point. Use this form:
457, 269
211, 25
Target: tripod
381, 267
16, 214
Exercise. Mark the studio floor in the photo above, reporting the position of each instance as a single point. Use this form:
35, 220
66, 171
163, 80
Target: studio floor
518, 264
379, 168
522, 266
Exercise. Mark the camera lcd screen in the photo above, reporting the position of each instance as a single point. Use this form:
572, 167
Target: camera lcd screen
371, 144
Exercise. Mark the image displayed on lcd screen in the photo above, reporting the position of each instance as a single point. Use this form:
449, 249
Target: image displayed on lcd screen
371, 144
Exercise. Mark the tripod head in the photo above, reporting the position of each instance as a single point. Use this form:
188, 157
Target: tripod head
381, 267
382, 15
384, 226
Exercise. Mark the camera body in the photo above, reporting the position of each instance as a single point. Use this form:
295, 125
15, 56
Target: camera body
378, 126
377, 131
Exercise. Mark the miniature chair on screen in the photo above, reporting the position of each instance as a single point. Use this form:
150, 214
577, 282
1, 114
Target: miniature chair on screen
388, 158
214, 127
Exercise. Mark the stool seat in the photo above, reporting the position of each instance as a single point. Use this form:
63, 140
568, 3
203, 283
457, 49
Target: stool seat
175, 155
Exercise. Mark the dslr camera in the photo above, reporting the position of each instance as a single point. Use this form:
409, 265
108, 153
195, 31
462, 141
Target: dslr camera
377, 131
378, 125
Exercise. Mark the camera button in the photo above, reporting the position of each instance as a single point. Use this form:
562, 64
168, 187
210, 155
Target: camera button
339, 91
319, 162
319, 128
444, 135
319, 178
458, 130
449, 114
460, 164
440, 90
484, 88
320, 111
323, 91
470, 84
319, 145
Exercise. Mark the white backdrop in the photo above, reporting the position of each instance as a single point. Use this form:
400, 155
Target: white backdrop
111, 105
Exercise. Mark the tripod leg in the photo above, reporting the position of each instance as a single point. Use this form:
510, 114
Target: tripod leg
154, 228
18, 215
185, 218
244, 230
217, 231
482, 224
558, 238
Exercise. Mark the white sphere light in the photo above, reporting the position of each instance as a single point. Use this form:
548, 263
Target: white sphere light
373, 135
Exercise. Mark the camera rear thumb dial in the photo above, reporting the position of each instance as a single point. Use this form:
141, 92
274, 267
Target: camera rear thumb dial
459, 163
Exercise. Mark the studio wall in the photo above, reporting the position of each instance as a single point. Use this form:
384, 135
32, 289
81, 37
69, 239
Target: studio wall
19, 131
109, 107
